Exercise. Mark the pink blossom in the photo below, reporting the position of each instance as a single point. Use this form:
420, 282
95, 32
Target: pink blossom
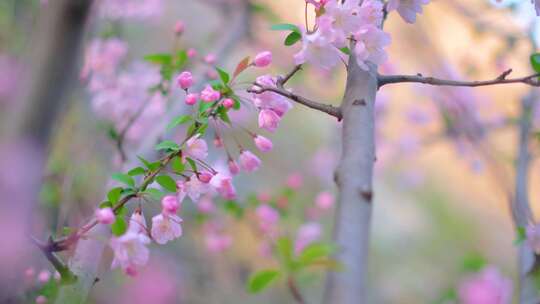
206, 205
165, 228
44, 276
179, 27
263, 59
370, 45
317, 3
233, 167
228, 103
196, 147
307, 234
217, 242
210, 58
218, 143
295, 181
485, 287
103, 56
105, 216
318, 50
195, 188
345, 19
205, 177
264, 197
170, 204
41, 299
191, 52
137, 223
268, 120
223, 185
130, 251
191, 99
263, 144
533, 237
270, 100
371, 12
249, 161
181, 190
407, 9
185, 80
209, 94
324, 201
212, 74
268, 218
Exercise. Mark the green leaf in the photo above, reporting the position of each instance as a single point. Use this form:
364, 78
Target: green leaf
314, 252
292, 38
136, 171
535, 62
178, 121
222, 112
154, 193
345, 50
177, 165
237, 103
168, 145
261, 280
105, 204
161, 59
233, 208
474, 262
119, 226
124, 178
521, 235
284, 247
181, 59
223, 75
192, 164
115, 194
285, 27
166, 182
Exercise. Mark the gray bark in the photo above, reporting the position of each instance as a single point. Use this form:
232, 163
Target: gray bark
354, 179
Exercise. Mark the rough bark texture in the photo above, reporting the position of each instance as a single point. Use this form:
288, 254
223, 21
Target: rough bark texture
521, 210
354, 177
87, 256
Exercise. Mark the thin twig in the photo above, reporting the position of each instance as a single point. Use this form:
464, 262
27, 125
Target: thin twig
283, 80
532, 80
294, 291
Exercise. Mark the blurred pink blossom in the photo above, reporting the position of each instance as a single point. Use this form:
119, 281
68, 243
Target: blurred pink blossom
486, 287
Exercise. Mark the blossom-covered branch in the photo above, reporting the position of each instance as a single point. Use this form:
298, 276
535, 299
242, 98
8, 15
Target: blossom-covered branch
532, 80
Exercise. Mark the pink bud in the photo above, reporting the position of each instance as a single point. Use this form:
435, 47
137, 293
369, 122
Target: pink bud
191, 52
170, 205
105, 216
205, 177
228, 103
263, 144
294, 181
209, 94
191, 99
211, 74
185, 80
324, 201
29, 273
131, 271
41, 299
264, 197
210, 58
218, 142
249, 161
44, 276
268, 120
233, 167
179, 27
263, 59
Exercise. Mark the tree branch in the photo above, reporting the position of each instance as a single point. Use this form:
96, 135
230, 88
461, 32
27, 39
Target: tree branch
532, 80
294, 291
328, 109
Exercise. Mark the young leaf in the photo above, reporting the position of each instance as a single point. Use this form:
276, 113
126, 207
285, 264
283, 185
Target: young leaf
124, 178
178, 121
262, 279
521, 236
168, 145
119, 226
285, 27
136, 171
535, 62
105, 204
314, 252
166, 182
177, 165
154, 193
223, 75
192, 164
222, 112
161, 59
114, 195
284, 249
292, 38
345, 50
181, 59
242, 66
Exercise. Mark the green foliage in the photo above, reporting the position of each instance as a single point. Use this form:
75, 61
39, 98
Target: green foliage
345, 50
261, 280
292, 38
178, 121
224, 76
154, 193
233, 208
167, 145
166, 182
119, 226
535, 62
115, 194
124, 178
315, 252
521, 236
136, 171
177, 165
474, 262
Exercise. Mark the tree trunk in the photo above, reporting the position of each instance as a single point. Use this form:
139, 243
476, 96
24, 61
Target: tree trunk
354, 177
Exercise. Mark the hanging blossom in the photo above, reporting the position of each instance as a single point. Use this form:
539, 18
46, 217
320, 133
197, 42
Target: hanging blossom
130, 249
272, 106
408, 9
339, 23
486, 287
307, 234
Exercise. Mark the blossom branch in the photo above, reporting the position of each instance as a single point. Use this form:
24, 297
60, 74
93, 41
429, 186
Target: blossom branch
291, 283
532, 80
328, 109
48, 250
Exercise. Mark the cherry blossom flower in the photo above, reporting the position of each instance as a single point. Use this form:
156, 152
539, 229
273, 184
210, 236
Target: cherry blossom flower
216, 241
195, 188
170, 204
179, 27
486, 287
270, 100
249, 161
185, 80
268, 120
233, 167
371, 12
103, 56
345, 19
295, 181
105, 216
206, 205
130, 251
263, 59
268, 218
228, 103
209, 94
407, 9
41, 299
137, 223
318, 50
196, 147
263, 144
324, 200
370, 46
223, 185
44, 276
191, 98
210, 58
166, 227
307, 234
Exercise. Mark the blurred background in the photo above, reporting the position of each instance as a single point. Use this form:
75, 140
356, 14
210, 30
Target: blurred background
445, 169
